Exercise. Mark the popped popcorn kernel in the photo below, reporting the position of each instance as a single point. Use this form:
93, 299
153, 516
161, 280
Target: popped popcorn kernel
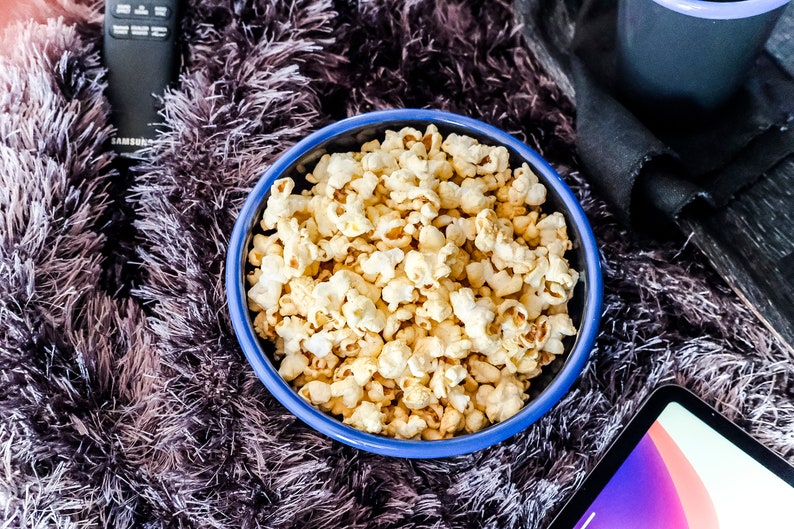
415, 287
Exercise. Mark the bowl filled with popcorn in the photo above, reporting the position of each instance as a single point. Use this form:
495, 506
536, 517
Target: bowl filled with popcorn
414, 283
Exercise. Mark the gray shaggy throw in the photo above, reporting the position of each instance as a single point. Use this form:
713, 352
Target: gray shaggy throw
125, 400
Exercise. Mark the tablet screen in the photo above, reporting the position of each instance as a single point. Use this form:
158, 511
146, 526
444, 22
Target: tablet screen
681, 472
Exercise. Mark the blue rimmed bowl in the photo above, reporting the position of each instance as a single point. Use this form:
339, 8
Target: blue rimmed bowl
348, 135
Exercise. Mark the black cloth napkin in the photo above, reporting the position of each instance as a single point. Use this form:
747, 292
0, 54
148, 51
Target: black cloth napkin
652, 171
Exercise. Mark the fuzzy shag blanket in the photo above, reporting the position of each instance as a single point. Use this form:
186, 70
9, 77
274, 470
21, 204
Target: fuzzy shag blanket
125, 400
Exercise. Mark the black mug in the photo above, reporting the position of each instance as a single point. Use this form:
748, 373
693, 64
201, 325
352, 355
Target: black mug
685, 58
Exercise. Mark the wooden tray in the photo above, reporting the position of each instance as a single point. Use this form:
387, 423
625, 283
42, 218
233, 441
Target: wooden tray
750, 241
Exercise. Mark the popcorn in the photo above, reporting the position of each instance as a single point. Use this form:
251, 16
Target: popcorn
292, 366
278, 204
400, 290
505, 400
454, 375
319, 344
263, 246
393, 359
383, 263
419, 267
316, 392
452, 421
560, 273
299, 252
458, 399
266, 292
350, 219
456, 345
293, 330
475, 421
560, 326
432, 310
408, 428
379, 162
474, 196
484, 372
342, 168
362, 369
371, 344
348, 390
360, 313
299, 298
475, 315
450, 195
526, 189
327, 298
418, 397
391, 231
421, 362
431, 239
446, 377
416, 287
367, 417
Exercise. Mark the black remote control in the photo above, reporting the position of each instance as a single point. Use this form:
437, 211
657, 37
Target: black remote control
141, 55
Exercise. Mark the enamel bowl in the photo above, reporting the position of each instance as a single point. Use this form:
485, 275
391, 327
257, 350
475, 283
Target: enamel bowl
348, 135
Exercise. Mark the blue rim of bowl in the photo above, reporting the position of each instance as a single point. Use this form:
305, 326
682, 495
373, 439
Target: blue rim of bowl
722, 10
334, 428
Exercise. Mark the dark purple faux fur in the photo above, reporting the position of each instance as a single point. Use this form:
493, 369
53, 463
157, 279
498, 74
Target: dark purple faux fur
136, 408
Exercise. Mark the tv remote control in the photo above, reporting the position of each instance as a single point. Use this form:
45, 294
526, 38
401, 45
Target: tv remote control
141, 56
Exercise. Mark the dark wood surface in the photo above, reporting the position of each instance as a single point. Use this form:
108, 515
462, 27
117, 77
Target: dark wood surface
750, 241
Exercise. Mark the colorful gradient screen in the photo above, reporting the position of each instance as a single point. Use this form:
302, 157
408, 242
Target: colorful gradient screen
685, 475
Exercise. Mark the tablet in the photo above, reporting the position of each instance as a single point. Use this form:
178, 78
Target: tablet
681, 465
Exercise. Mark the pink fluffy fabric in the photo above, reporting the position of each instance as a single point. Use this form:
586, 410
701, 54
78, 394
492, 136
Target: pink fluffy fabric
125, 400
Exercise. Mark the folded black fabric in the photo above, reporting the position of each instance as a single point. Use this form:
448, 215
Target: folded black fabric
651, 170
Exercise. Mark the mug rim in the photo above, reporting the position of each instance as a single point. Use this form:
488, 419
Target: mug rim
722, 10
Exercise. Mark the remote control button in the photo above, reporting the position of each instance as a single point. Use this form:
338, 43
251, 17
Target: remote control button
162, 11
159, 32
123, 10
139, 31
141, 10
120, 31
